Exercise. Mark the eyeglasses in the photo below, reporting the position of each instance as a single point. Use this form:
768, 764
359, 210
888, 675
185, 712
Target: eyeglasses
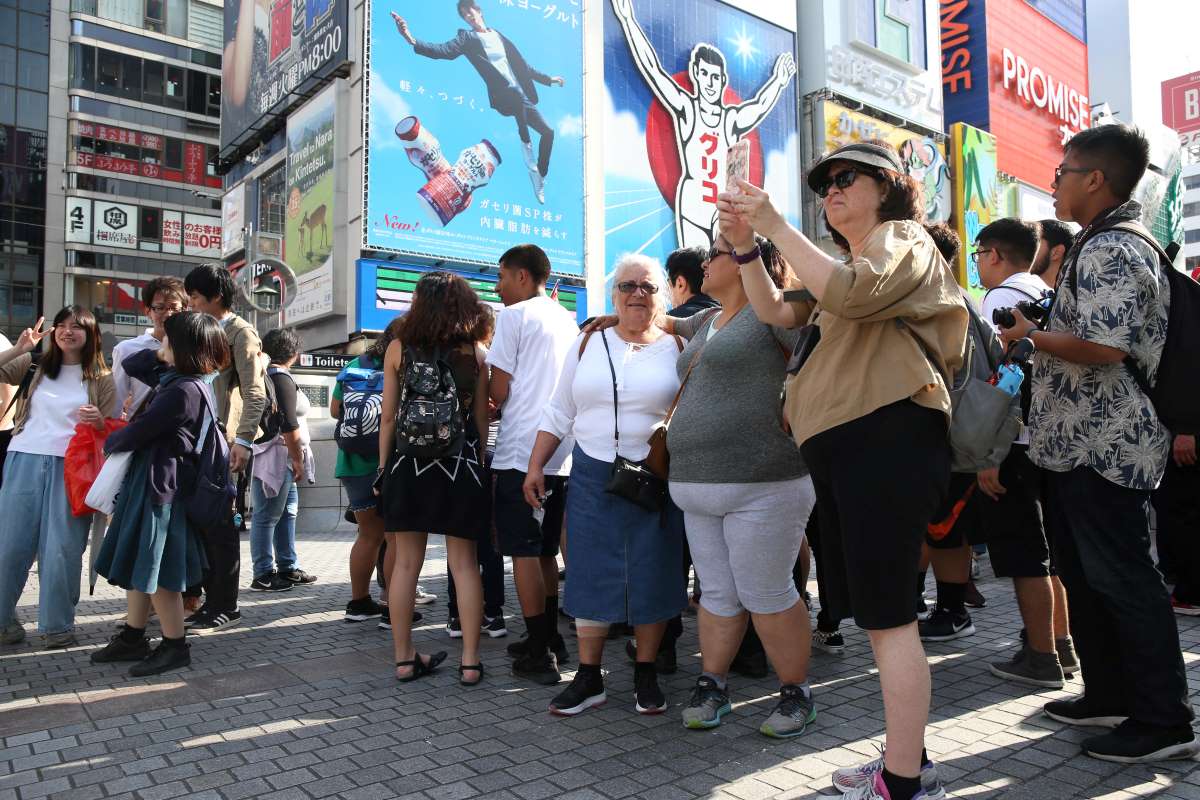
843, 180
1060, 169
975, 255
716, 253
629, 287
158, 308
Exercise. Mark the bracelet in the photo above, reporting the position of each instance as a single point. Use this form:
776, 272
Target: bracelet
746, 258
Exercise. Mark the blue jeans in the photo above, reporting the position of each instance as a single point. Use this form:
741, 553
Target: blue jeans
38, 523
274, 523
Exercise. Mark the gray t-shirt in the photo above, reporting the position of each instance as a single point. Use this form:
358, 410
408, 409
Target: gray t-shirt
728, 427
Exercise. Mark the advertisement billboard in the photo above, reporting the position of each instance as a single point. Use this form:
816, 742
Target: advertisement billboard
1181, 103
112, 224
475, 131
274, 49
977, 195
385, 291
115, 224
923, 157
233, 220
307, 238
684, 82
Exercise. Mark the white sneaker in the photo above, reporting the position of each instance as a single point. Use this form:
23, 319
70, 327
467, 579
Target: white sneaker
527, 152
539, 184
423, 598
862, 778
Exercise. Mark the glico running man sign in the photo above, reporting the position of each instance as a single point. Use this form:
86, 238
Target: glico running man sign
276, 52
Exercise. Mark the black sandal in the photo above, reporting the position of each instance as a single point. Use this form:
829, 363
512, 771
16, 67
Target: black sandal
421, 668
474, 668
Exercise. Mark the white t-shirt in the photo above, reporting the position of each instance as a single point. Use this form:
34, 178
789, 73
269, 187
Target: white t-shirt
1018, 288
582, 405
493, 46
532, 341
124, 384
53, 414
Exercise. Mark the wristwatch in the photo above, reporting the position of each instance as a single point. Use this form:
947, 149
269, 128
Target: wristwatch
746, 258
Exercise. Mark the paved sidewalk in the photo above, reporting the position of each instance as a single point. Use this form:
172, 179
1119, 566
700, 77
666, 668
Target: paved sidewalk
295, 703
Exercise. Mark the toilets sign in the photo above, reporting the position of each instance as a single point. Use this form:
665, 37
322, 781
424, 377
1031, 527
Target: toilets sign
1036, 86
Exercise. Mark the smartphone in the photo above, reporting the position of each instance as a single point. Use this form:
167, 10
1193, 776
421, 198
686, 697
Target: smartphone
539, 513
737, 165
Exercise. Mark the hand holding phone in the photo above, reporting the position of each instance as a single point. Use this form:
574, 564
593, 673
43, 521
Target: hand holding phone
737, 165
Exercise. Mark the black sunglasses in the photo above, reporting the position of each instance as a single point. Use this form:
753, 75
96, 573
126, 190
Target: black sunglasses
716, 253
843, 180
629, 287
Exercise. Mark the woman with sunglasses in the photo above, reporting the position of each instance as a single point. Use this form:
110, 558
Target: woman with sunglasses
870, 410
615, 387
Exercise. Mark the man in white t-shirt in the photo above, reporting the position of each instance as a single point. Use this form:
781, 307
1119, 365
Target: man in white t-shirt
534, 334
162, 298
1012, 513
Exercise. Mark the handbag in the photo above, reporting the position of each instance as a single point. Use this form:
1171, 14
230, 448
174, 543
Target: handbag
103, 494
810, 335
658, 460
83, 461
630, 479
22, 391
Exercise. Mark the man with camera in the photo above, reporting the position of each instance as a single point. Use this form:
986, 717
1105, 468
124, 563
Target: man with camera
1103, 448
1012, 511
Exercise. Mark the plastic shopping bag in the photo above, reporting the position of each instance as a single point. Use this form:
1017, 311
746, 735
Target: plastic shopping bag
84, 459
103, 494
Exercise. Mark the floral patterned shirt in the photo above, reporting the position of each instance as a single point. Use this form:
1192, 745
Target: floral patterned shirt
1094, 414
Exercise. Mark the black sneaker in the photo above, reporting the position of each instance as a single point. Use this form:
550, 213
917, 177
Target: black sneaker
362, 610
454, 628
297, 576
195, 616
118, 649
944, 625
164, 658
584, 692
665, 662
494, 627
648, 698
1082, 711
558, 646
1134, 742
270, 582
214, 622
542, 670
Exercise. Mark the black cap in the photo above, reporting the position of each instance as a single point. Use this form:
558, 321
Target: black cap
871, 155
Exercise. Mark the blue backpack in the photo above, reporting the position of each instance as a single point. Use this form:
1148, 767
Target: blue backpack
357, 431
213, 489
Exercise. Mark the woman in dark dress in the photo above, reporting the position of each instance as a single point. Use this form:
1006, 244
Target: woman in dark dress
449, 495
150, 548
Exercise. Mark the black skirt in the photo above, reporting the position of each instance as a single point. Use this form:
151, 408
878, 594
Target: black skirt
450, 496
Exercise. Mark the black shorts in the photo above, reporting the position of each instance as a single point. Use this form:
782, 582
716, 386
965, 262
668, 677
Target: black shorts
969, 527
517, 532
879, 479
1016, 534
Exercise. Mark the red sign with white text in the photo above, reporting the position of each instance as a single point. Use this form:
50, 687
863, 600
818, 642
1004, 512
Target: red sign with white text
193, 162
1181, 103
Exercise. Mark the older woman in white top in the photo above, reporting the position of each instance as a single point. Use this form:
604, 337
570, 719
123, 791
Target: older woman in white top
624, 559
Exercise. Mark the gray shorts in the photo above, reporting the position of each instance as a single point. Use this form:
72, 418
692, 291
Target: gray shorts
744, 539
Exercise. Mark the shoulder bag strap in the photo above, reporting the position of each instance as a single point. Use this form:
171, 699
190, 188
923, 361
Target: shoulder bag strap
679, 394
22, 389
583, 344
613, 371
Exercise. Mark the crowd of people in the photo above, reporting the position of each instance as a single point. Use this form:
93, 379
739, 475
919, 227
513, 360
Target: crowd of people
789, 404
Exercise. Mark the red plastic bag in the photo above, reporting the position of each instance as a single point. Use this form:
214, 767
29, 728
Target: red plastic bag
85, 456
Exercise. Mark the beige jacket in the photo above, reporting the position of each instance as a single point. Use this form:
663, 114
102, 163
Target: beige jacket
239, 389
874, 309
101, 392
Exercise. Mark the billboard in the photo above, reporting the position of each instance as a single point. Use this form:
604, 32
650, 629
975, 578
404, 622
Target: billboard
233, 220
977, 195
924, 157
684, 82
475, 131
308, 229
113, 224
1181, 103
274, 51
385, 291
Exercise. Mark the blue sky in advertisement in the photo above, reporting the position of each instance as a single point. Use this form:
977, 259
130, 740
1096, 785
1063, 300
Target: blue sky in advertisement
643, 139
449, 175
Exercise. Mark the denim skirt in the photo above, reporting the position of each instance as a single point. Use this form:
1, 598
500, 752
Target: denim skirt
625, 564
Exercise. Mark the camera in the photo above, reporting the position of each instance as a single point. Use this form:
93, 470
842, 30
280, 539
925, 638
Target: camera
1036, 311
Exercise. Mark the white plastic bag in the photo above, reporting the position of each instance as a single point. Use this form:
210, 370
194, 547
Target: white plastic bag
103, 494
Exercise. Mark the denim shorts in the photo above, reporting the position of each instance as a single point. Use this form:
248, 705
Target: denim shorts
360, 491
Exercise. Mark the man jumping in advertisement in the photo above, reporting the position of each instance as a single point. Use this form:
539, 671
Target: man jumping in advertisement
705, 127
509, 78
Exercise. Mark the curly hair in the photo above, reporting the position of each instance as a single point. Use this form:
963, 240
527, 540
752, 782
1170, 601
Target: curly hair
445, 313
903, 198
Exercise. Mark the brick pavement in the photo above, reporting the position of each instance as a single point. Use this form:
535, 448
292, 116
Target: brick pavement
296, 704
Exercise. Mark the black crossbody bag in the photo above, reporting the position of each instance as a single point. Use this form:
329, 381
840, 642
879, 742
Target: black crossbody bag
630, 479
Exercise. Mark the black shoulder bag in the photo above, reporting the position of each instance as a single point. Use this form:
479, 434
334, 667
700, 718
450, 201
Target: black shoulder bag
22, 391
630, 479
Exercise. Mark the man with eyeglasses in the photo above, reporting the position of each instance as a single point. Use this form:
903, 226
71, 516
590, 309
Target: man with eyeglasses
1103, 448
162, 298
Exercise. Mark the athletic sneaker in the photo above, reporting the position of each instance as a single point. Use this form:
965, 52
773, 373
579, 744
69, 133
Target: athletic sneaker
297, 576
944, 625
707, 705
1184, 609
648, 698
794, 712
923, 609
60, 641
422, 597
494, 627
1134, 742
1083, 711
877, 790
848, 779
195, 616
362, 610
454, 628
831, 643
558, 646
12, 633
270, 582
1032, 668
542, 670
385, 619
215, 622
586, 691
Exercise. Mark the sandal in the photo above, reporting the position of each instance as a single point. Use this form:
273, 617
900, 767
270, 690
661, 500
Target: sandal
464, 668
421, 668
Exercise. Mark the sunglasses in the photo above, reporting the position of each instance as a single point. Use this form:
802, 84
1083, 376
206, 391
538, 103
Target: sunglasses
843, 180
629, 287
1060, 170
716, 253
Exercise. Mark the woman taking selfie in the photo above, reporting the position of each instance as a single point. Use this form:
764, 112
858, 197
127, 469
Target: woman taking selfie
870, 410
72, 384
150, 549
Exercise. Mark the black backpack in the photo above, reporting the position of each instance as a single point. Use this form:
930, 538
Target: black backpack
271, 422
212, 488
1176, 388
430, 421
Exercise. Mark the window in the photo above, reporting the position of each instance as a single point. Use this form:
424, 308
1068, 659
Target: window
897, 27
103, 147
177, 18
131, 78
214, 95
8, 65
1191, 182
83, 66
33, 71
197, 97
150, 224
154, 16
31, 110
8, 26
173, 88
272, 200
8, 105
108, 71
152, 82
1192, 236
173, 153
1191, 209
35, 32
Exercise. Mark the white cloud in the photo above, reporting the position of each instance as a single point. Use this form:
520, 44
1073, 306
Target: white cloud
571, 125
624, 143
387, 108
780, 175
